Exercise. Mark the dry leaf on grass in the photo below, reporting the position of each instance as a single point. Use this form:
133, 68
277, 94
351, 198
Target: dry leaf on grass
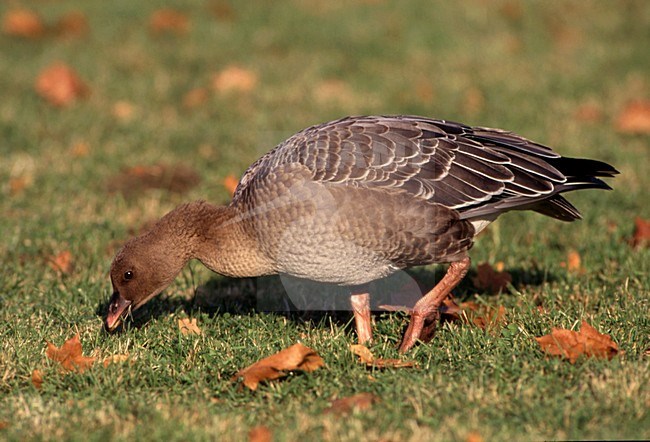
366, 357
589, 113
296, 357
70, 355
473, 436
234, 79
484, 316
571, 345
222, 10
22, 23
195, 97
3, 425
450, 310
71, 25
168, 21
134, 180
115, 359
494, 281
61, 262
360, 401
188, 326
60, 85
635, 118
37, 379
641, 234
123, 111
260, 434
230, 183
573, 263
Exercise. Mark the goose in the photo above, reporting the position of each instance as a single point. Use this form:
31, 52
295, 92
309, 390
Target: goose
355, 200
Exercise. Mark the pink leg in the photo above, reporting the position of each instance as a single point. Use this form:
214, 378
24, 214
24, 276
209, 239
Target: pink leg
361, 309
425, 314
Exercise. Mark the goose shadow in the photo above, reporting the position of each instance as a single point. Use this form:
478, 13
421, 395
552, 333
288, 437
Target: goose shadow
302, 300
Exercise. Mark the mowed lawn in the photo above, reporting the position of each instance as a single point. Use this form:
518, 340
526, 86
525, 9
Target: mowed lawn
172, 108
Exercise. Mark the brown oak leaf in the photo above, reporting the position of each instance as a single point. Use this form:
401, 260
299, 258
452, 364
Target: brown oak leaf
570, 345
71, 25
641, 234
60, 85
234, 79
168, 21
573, 263
635, 118
37, 379
195, 97
230, 183
366, 357
188, 326
62, 262
487, 278
260, 433
360, 401
70, 356
296, 357
115, 359
23, 23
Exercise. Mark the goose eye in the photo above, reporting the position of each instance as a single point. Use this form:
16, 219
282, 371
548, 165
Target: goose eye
128, 275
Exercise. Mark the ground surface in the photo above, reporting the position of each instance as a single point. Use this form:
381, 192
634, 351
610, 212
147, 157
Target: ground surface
558, 72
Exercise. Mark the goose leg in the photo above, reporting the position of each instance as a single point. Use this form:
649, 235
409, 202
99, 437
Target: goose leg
425, 314
361, 309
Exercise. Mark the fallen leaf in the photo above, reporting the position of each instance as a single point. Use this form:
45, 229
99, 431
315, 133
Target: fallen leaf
490, 279
70, 355
296, 357
80, 149
18, 184
188, 326
61, 262
234, 79
366, 357
641, 234
134, 180
230, 183
571, 345
222, 10
60, 85
168, 21
115, 359
260, 434
123, 110
72, 25
3, 425
37, 379
512, 11
360, 401
589, 113
573, 263
491, 319
473, 436
450, 310
635, 118
195, 97
23, 23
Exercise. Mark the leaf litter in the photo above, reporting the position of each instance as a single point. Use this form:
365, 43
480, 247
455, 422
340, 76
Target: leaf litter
357, 402
70, 355
366, 357
294, 358
571, 345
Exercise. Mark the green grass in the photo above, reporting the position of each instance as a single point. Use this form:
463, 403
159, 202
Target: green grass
532, 64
